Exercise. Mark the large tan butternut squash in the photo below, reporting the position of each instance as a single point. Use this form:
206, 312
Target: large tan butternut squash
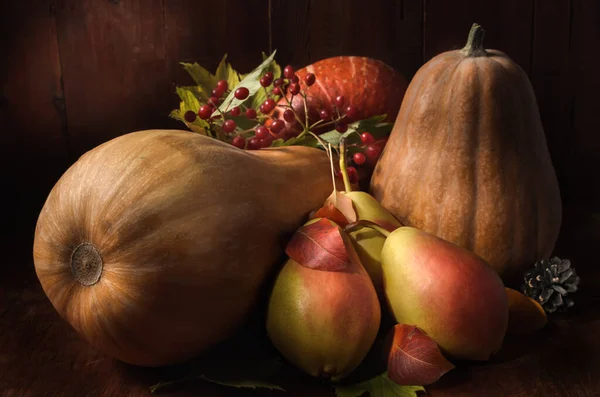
154, 245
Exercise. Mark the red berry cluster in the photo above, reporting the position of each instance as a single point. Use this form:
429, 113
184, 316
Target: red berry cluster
266, 128
365, 154
369, 150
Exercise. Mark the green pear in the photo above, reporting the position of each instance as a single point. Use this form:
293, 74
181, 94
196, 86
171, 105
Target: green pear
368, 242
324, 321
369, 209
450, 293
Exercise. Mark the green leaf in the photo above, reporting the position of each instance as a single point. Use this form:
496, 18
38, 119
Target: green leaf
248, 372
257, 99
226, 72
273, 67
203, 78
245, 384
189, 101
379, 386
175, 115
244, 124
261, 95
251, 82
375, 125
278, 143
306, 140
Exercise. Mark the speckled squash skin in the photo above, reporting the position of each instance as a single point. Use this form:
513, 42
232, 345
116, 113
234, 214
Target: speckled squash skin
468, 161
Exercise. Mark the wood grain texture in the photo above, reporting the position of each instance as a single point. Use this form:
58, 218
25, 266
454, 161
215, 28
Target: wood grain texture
118, 60
551, 81
114, 60
34, 146
584, 139
508, 26
203, 33
307, 31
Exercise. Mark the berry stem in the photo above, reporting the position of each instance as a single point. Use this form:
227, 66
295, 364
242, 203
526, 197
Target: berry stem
305, 128
324, 123
305, 109
316, 123
289, 104
343, 169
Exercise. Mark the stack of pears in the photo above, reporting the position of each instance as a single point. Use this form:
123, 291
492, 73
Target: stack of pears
353, 263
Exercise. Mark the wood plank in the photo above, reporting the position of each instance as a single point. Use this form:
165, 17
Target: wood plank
550, 80
202, 31
508, 25
584, 63
114, 61
41, 355
307, 31
32, 116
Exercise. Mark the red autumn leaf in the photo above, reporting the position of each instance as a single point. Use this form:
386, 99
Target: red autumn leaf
319, 246
414, 358
338, 208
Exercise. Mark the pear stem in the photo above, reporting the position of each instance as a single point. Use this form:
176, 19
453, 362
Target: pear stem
343, 169
352, 227
330, 155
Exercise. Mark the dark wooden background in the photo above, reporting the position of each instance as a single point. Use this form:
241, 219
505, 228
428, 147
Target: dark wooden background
75, 73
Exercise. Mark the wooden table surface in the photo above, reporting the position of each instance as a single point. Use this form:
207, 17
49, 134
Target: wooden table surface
40, 355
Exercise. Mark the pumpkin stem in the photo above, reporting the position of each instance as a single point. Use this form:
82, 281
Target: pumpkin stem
474, 47
86, 264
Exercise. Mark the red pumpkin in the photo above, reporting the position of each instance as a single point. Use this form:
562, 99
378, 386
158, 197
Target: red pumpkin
369, 85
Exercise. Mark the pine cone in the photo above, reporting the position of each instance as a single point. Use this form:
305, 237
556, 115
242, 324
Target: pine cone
549, 282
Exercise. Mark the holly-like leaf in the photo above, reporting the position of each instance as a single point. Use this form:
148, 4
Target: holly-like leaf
320, 246
251, 82
205, 80
261, 95
249, 381
273, 67
189, 102
414, 358
306, 140
379, 386
247, 384
375, 125
338, 208
226, 72
189, 99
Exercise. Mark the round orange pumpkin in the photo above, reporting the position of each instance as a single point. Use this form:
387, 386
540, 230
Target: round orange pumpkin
371, 86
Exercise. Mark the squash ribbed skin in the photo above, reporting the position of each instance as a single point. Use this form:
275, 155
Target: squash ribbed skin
467, 160
187, 228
